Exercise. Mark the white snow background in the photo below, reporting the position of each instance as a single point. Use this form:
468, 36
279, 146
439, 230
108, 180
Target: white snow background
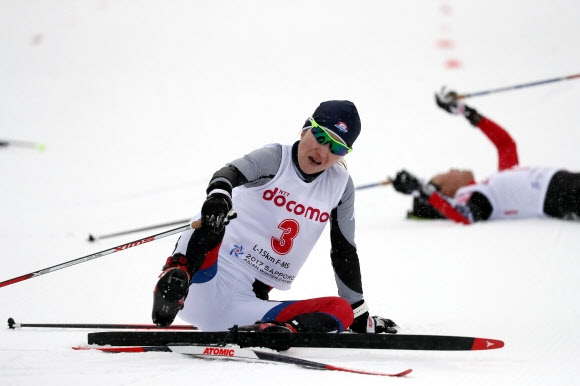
139, 102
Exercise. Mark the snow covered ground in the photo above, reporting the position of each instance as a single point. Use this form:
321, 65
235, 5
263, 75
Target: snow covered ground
139, 102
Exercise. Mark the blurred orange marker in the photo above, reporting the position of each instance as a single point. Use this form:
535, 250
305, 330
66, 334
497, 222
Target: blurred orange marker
452, 64
445, 43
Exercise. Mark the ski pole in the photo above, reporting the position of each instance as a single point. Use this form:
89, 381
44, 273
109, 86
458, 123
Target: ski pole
372, 185
38, 146
196, 224
523, 85
93, 238
14, 325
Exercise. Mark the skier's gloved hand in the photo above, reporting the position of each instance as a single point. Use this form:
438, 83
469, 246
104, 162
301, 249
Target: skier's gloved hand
406, 183
216, 211
383, 325
447, 100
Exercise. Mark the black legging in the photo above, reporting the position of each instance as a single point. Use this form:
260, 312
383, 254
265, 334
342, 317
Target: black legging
563, 196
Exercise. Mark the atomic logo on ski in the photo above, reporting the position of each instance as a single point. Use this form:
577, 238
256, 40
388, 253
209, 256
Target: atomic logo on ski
219, 351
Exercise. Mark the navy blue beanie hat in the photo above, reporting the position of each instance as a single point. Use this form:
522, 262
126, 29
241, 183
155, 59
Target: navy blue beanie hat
340, 117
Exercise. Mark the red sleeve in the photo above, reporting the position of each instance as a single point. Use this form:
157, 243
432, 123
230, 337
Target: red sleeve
505, 144
446, 209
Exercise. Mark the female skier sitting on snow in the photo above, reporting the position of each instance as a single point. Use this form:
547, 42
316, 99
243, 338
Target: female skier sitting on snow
219, 276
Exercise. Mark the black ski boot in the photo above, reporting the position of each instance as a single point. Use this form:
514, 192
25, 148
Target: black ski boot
170, 293
274, 328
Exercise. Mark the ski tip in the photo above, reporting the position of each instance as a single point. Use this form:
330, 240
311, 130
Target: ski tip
403, 373
486, 344
399, 374
91, 238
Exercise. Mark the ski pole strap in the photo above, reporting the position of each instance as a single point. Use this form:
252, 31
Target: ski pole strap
220, 191
360, 310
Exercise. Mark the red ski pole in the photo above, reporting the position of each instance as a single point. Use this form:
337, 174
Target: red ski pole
194, 225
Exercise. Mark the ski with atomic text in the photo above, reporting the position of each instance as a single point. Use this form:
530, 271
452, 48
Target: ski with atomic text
235, 353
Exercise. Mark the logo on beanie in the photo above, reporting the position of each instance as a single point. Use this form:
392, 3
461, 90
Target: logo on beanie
342, 127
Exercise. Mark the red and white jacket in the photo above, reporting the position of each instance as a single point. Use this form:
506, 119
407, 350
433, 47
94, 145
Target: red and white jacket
513, 192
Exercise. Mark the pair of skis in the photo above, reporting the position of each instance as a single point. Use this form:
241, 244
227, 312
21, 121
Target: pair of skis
239, 345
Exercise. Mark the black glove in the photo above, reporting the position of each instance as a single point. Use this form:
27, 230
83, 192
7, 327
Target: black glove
447, 100
385, 325
216, 211
406, 183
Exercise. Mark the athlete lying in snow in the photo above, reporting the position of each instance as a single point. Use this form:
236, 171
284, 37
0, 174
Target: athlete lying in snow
514, 192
